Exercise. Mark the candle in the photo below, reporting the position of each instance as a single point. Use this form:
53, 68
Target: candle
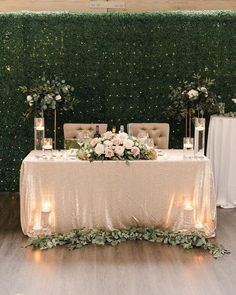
37, 229
188, 206
188, 215
45, 213
39, 128
47, 147
46, 208
200, 128
188, 146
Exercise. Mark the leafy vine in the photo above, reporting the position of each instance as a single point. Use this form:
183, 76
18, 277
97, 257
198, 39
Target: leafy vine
82, 237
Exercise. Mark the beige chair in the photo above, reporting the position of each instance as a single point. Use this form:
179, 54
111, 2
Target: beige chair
158, 131
71, 130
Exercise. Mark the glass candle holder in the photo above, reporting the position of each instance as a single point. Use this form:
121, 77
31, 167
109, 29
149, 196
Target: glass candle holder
47, 148
188, 215
45, 215
39, 133
199, 226
199, 138
188, 147
221, 108
37, 230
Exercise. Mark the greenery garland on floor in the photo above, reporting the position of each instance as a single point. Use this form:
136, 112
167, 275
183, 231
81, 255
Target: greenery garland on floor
82, 237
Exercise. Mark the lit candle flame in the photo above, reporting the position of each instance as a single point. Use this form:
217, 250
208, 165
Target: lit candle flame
188, 205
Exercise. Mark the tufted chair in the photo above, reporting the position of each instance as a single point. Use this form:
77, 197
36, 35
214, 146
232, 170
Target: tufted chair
158, 131
71, 129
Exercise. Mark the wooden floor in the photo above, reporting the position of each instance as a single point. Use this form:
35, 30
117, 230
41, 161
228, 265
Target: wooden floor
131, 268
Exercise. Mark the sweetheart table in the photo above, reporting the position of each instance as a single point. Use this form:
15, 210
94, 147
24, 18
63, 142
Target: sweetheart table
170, 192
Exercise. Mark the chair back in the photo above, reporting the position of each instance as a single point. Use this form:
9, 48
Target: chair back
159, 132
71, 130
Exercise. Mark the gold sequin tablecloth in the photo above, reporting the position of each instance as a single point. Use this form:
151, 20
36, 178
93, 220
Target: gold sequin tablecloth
168, 192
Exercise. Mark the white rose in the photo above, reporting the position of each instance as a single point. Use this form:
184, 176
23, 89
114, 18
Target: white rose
108, 135
99, 149
135, 150
58, 97
94, 141
119, 150
128, 143
109, 152
192, 94
107, 143
29, 98
122, 136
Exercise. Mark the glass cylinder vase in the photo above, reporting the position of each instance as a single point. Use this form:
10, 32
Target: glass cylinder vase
199, 137
39, 133
188, 147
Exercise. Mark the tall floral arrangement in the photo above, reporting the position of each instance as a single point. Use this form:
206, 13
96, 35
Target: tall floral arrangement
116, 147
48, 95
192, 99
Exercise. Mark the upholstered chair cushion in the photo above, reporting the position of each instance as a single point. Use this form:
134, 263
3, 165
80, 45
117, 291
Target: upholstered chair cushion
158, 131
73, 130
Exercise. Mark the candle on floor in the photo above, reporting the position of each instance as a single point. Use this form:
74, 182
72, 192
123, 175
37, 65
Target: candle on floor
37, 229
45, 213
188, 215
199, 226
188, 206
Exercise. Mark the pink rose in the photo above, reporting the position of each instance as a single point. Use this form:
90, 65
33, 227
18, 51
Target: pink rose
119, 150
109, 152
135, 150
108, 135
116, 141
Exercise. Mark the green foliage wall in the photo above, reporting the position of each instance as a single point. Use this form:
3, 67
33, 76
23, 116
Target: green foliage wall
121, 66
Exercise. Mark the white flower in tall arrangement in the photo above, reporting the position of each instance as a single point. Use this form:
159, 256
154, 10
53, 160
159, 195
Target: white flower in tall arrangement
193, 94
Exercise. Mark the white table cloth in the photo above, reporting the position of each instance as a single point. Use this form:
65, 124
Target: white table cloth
221, 150
112, 194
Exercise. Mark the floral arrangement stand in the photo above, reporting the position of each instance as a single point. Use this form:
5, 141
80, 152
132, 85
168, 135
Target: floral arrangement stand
49, 96
192, 99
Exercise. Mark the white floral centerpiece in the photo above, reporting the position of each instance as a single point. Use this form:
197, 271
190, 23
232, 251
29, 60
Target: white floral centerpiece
116, 147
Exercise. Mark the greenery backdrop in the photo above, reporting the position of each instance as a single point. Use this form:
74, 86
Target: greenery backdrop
121, 66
